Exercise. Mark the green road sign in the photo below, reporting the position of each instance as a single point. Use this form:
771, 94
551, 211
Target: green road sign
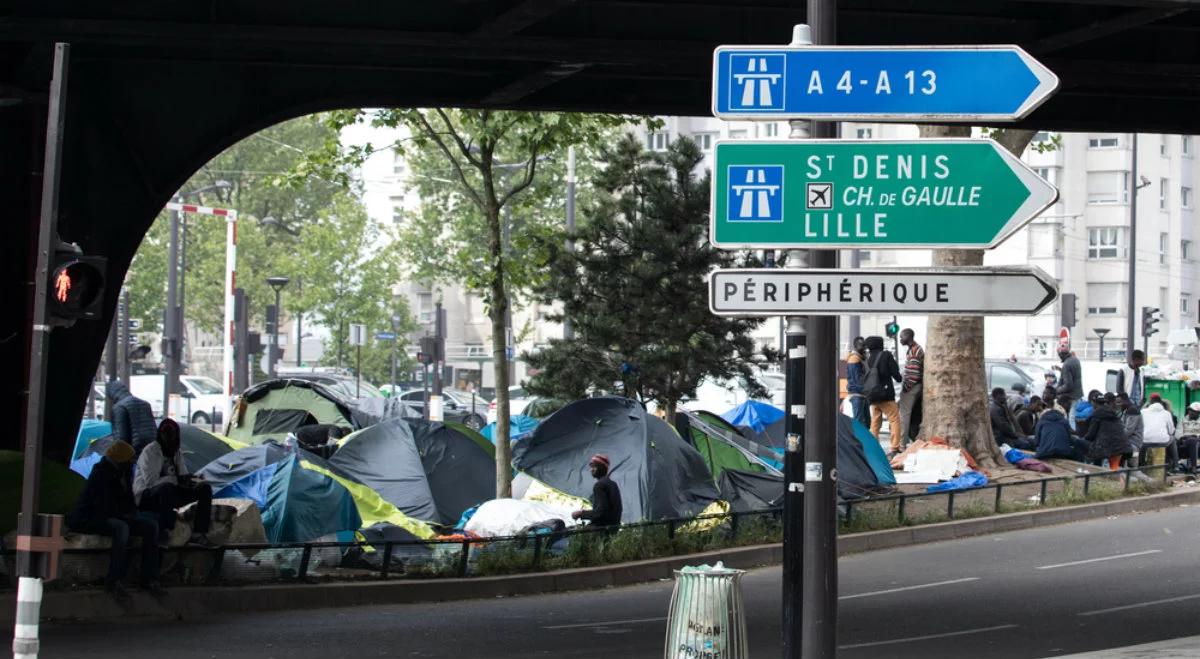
868, 193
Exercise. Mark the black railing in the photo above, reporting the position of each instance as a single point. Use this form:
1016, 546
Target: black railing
463, 557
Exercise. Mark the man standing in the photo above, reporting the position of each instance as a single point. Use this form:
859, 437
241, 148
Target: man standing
163, 484
882, 371
1130, 381
606, 496
910, 390
855, 373
132, 417
1071, 382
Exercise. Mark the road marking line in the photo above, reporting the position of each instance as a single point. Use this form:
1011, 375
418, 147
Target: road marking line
927, 637
609, 623
1138, 606
904, 588
1098, 560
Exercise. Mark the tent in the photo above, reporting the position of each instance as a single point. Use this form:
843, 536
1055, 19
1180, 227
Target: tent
761, 422
370, 410
519, 428
722, 446
430, 471
660, 475
59, 487
873, 451
748, 491
857, 476
272, 409
89, 431
199, 449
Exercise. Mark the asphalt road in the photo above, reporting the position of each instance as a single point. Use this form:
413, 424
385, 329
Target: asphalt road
1039, 593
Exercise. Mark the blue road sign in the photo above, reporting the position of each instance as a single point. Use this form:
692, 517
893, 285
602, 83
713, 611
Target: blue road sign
385, 336
946, 83
755, 193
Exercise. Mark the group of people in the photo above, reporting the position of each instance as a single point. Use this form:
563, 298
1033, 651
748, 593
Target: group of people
871, 377
135, 490
1122, 428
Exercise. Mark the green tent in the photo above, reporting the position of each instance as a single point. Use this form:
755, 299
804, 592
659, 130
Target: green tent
721, 445
272, 409
59, 487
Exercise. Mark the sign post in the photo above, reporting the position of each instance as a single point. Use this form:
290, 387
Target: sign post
961, 193
358, 337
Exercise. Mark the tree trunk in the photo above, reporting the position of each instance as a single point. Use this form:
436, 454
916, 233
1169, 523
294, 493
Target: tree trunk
497, 313
955, 391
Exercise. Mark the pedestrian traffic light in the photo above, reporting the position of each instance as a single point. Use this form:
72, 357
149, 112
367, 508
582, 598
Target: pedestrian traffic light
893, 328
1069, 308
1150, 318
76, 286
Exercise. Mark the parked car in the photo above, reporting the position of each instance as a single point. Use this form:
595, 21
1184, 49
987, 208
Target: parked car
455, 407
518, 400
1004, 374
202, 402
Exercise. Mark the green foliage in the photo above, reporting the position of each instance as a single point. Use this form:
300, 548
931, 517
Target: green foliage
635, 287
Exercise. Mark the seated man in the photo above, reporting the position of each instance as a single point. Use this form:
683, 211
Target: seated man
1027, 416
105, 507
1053, 435
1189, 435
1004, 427
162, 484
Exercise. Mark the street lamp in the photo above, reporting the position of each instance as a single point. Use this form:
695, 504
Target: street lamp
173, 318
1101, 332
397, 291
276, 283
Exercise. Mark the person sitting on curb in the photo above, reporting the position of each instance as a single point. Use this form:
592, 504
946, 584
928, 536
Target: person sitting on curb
1004, 427
1189, 435
1027, 417
1106, 433
106, 507
1159, 435
1135, 429
1054, 437
163, 485
606, 496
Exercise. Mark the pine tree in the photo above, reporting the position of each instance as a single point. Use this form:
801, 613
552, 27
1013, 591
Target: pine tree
635, 287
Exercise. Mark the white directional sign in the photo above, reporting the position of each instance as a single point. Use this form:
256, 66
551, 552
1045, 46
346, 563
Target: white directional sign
358, 334
1017, 290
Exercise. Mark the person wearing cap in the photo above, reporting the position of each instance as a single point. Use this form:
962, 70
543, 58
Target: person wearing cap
106, 507
1189, 435
606, 496
163, 484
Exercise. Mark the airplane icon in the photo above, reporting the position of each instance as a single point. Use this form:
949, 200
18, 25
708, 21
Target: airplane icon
820, 196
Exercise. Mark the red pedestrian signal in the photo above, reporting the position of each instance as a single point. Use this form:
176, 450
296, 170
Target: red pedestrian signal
76, 287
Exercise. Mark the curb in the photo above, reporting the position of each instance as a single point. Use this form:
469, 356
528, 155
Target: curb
193, 602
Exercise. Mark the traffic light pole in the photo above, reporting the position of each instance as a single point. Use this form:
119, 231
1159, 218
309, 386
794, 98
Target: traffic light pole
171, 342
29, 587
1131, 303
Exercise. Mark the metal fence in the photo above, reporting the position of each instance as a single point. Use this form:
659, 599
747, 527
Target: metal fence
462, 557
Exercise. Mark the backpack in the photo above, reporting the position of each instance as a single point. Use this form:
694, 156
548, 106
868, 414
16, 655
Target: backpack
874, 388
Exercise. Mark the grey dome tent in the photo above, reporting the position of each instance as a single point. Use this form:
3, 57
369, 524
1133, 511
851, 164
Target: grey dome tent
430, 471
660, 475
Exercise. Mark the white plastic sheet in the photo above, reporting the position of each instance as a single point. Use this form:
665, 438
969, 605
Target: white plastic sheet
502, 517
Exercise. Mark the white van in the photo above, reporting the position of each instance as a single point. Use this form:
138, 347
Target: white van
202, 399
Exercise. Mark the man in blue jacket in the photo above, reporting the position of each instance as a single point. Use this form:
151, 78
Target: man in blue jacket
132, 417
1053, 435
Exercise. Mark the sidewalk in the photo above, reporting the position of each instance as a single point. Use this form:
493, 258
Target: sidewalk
194, 602
1179, 648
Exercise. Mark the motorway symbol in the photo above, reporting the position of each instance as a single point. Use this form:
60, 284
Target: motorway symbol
965, 193
1014, 290
942, 83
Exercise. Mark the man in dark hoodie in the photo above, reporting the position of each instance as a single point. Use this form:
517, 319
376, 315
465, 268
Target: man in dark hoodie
1071, 382
1106, 433
132, 417
1053, 435
880, 389
106, 507
1004, 426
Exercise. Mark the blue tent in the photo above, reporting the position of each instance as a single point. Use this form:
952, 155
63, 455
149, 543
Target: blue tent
876, 458
90, 430
753, 414
519, 427
298, 504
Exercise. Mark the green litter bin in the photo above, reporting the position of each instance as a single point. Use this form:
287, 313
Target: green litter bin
707, 619
1173, 391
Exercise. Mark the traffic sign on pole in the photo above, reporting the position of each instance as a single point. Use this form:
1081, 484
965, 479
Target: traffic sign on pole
873, 83
385, 336
990, 291
965, 193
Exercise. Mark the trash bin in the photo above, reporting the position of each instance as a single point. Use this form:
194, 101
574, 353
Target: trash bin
707, 619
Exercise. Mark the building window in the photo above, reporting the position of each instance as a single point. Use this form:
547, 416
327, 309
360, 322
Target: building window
705, 141
1104, 242
1185, 304
1043, 241
1040, 136
1108, 187
1103, 299
1050, 174
771, 130
425, 308
397, 209
397, 163
1185, 197
865, 133
739, 134
658, 141
1185, 250
1185, 146
1111, 142
1163, 250
1163, 149
1163, 186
